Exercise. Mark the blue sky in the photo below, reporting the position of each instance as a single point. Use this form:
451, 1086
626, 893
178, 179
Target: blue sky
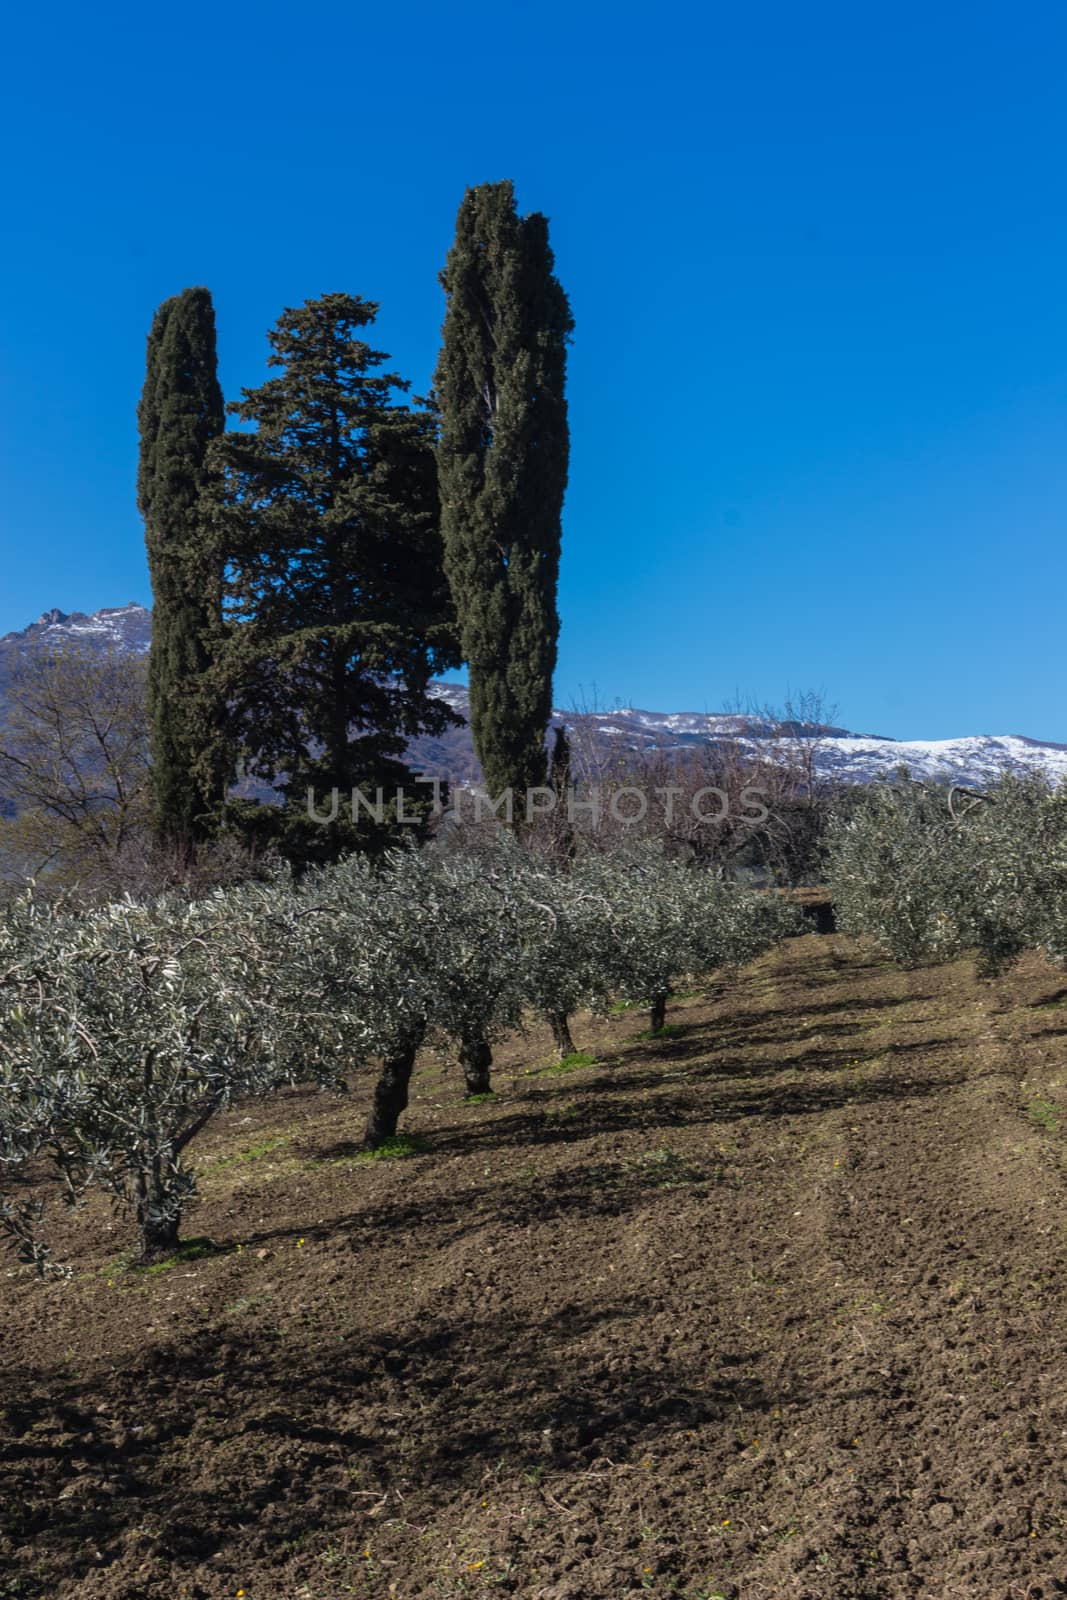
817, 257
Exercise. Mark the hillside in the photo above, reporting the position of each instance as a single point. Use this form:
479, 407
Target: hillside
849, 757
771, 1307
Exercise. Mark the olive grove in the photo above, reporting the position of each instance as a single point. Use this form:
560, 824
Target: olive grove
125, 1028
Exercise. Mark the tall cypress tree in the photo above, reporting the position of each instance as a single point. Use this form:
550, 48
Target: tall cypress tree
502, 469
337, 609
180, 413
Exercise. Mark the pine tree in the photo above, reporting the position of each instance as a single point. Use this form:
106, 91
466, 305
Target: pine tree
338, 612
502, 468
180, 413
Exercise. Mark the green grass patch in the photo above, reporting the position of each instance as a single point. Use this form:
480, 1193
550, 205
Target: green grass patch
622, 1006
479, 1099
1054, 1002
670, 1030
395, 1149
664, 1166
1046, 1113
120, 1263
254, 1152
191, 1250
571, 1063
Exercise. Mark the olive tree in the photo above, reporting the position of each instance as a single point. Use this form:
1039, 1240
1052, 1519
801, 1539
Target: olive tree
559, 917
896, 869
357, 981
384, 955
479, 980
930, 872
123, 1031
1048, 908
36, 1102
668, 921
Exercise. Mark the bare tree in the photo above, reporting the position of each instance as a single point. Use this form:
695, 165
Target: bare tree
797, 737
75, 798
74, 768
751, 799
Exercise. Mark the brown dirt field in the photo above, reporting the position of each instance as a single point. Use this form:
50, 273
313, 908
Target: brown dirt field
769, 1309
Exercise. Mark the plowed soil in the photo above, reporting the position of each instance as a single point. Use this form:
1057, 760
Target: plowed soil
769, 1306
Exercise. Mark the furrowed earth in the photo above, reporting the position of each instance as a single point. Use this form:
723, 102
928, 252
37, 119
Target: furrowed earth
769, 1307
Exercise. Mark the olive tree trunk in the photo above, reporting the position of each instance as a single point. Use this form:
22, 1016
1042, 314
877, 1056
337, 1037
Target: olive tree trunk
560, 1024
391, 1092
476, 1059
159, 1232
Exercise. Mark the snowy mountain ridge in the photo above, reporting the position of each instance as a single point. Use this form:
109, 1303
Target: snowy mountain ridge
851, 757
128, 627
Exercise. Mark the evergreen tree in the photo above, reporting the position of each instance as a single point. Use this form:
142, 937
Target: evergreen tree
502, 469
337, 610
180, 413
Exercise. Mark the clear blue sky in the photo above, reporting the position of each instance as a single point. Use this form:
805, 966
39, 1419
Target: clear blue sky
817, 256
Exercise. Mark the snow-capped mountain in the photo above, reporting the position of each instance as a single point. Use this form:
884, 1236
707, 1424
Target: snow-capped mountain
971, 760
127, 627
850, 757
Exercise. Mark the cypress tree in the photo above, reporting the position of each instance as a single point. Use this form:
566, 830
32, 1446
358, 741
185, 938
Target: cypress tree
180, 413
502, 469
337, 610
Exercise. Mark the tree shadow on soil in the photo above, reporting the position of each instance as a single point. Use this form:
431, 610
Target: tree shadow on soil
790, 1017
235, 1445
317, 1441
606, 1188
617, 1112
603, 1184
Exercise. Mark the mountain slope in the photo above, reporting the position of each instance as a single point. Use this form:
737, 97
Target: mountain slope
851, 757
